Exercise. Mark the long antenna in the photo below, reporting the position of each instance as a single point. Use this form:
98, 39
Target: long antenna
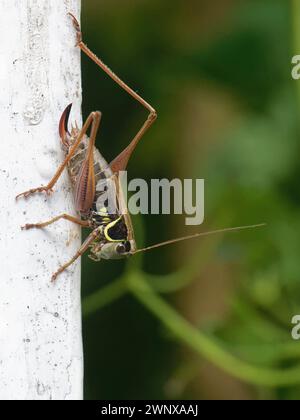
196, 235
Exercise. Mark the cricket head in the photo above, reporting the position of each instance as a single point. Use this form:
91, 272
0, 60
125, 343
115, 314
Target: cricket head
114, 241
111, 250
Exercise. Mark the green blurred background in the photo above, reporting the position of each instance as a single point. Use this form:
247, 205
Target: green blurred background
219, 75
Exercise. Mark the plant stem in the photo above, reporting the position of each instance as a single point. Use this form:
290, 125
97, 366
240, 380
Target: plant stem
103, 297
205, 345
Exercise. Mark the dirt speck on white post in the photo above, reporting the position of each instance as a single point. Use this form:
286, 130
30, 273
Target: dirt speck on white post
40, 322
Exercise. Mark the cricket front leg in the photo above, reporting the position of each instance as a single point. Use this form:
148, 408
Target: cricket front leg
76, 220
65, 266
78, 254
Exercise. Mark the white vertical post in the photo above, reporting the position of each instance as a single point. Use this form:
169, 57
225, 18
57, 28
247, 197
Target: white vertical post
40, 322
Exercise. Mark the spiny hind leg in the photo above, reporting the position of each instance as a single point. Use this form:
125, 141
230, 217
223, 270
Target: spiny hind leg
77, 221
49, 187
120, 162
41, 189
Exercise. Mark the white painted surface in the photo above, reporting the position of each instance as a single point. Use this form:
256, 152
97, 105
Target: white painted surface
40, 322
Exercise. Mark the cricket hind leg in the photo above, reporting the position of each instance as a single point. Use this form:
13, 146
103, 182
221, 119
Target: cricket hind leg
85, 186
120, 162
78, 254
41, 225
94, 116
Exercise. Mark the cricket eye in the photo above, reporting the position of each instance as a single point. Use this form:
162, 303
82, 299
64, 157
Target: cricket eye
123, 248
120, 249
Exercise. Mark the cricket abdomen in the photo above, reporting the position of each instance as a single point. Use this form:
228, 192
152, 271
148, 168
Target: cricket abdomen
101, 169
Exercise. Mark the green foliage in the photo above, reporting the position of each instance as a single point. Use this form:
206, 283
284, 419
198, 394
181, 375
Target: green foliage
219, 76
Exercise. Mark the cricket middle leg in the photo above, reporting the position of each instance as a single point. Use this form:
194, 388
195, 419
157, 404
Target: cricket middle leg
77, 221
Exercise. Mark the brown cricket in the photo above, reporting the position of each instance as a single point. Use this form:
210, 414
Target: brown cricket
112, 235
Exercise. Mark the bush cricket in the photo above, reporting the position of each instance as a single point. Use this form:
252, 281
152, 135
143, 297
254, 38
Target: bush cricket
112, 235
